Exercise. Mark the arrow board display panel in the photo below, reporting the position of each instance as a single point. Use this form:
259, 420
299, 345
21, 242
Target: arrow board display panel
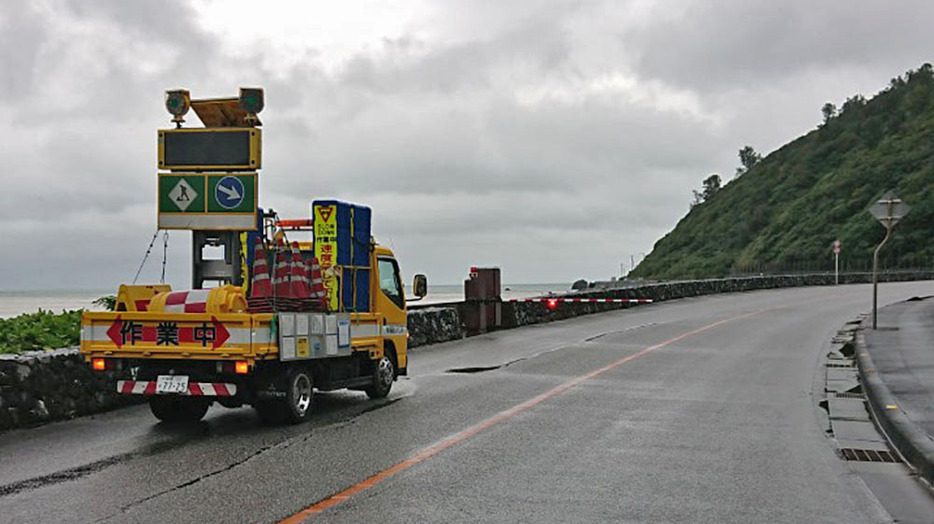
210, 148
208, 201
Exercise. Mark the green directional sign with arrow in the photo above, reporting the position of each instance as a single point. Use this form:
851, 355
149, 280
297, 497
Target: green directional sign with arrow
232, 193
217, 201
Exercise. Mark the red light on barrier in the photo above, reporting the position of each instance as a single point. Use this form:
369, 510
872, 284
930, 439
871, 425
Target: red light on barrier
552, 304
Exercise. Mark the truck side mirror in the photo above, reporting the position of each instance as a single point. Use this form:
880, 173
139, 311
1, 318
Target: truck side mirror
420, 286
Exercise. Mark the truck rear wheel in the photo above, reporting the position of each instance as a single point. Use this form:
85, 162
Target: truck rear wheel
299, 395
296, 406
383, 376
178, 410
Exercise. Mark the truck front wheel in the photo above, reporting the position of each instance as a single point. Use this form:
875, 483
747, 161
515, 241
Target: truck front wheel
178, 410
383, 376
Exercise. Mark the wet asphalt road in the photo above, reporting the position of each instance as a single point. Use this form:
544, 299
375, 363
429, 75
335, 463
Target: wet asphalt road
697, 410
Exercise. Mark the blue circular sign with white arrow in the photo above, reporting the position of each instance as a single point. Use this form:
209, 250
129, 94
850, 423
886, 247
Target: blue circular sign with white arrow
229, 192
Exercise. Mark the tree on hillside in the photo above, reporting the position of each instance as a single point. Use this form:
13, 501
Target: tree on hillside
829, 111
748, 158
711, 185
852, 103
814, 189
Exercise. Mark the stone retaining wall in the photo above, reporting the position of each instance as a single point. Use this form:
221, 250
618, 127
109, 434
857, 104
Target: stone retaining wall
38, 387
433, 325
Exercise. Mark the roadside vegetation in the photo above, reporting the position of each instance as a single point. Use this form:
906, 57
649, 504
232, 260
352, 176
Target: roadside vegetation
783, 212
45, 329
40, 330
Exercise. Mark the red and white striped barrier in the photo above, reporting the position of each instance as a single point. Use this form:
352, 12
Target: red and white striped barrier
585, 300
193, 301
195, 389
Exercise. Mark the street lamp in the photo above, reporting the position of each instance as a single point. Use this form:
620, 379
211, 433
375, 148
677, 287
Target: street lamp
888, 210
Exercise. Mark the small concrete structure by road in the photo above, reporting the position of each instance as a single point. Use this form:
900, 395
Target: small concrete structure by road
897, 367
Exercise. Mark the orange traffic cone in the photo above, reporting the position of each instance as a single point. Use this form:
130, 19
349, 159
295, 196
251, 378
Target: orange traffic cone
260, 285
281, 272
313, 270
298, 285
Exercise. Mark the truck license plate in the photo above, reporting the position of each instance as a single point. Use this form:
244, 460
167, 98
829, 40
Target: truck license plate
172, 384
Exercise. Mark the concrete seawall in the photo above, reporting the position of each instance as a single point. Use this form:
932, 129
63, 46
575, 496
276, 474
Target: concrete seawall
39, 387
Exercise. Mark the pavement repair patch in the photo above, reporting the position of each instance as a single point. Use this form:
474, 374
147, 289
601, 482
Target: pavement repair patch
858, 434
842, 386
837, 373
847, 409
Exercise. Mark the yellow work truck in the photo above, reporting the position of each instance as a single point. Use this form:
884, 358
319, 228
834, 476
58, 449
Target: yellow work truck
258, 338
185, 361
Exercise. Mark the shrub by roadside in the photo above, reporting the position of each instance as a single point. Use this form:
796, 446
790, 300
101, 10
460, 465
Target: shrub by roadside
39, 331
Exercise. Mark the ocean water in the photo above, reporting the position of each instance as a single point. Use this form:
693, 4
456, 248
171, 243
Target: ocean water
455, 293
13, 303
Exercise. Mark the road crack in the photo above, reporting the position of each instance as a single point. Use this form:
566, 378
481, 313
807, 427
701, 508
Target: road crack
198, 479
481, 369
62, 476
298, 439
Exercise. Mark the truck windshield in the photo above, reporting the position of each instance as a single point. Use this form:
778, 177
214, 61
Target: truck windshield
389, 280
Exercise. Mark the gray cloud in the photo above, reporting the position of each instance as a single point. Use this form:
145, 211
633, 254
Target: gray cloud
741, 45
22, 31
552, 139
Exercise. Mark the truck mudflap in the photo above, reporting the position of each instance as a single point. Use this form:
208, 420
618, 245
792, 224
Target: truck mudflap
194, 389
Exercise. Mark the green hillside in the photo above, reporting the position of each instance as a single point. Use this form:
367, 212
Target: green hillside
786, 210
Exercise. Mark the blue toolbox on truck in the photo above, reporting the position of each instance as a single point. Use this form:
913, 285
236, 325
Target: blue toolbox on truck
353, 251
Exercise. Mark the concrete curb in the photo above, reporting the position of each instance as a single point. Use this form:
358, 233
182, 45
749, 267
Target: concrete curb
913, 443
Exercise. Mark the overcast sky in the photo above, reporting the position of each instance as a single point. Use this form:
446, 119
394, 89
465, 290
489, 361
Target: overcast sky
552, 139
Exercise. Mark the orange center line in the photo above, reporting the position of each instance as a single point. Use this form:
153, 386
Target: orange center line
502, 416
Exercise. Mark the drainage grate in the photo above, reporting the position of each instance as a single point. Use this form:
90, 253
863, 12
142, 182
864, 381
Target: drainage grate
868, 455
858, 396
840, 365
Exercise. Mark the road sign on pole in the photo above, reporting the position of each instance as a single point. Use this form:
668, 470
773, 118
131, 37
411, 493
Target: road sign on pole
837, 246
888, 210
